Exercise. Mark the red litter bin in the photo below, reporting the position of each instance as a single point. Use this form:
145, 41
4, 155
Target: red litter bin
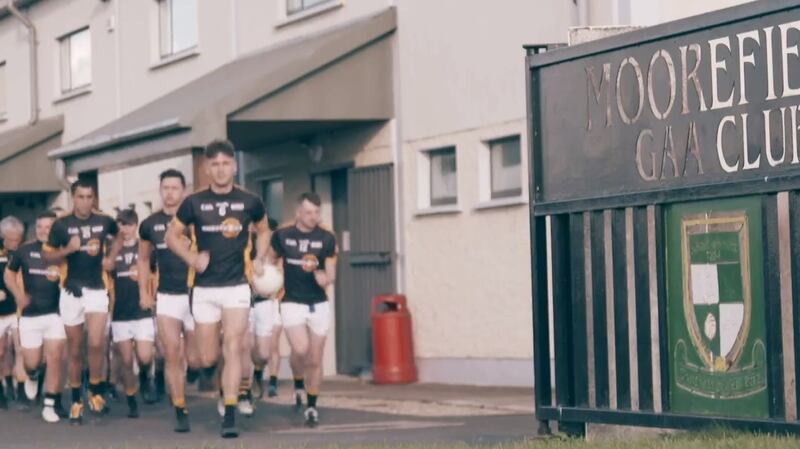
392, 342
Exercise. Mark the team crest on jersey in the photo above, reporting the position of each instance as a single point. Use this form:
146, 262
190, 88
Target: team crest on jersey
129, 258
231, 227
53, 273
310, 263
222, 208
93, 247
86, 232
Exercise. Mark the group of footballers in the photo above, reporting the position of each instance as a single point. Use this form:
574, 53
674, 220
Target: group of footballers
180, 278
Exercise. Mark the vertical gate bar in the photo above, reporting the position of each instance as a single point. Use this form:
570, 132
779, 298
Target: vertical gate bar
794, 236
599, 309
620, 277
642, 293
579, 335
661, 289
541, 340
772, 298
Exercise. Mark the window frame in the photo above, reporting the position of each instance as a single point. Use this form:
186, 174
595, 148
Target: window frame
65, 74
3, 90
303, 8
263, 183
439, 152
508, 193
166, 31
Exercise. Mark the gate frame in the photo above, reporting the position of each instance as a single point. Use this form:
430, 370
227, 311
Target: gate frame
570, 407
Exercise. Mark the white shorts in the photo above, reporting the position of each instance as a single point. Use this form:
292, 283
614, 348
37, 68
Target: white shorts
208, 302
33, 330
177, 307
263, 317
8, 323
139, 330
319, 321
74, 310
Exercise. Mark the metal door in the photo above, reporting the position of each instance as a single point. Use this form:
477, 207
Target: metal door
366, 263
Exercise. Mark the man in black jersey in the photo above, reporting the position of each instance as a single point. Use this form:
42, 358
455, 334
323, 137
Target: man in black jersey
11, 232
171, 296
308, 253
35, 284
131, 325
79, 241
221, 216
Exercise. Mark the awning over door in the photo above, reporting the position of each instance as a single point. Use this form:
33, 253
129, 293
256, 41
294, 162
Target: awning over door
343, 74
24, 165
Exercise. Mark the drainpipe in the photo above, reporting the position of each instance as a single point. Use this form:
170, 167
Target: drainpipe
34, 73
583, 12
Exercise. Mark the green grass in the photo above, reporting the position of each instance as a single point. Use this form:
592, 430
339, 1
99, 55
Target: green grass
717, 439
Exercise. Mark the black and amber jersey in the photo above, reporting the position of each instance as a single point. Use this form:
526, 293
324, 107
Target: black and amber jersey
221, 227
39, 278
173, 273
85, 266
302, 254
7, 304
126, 286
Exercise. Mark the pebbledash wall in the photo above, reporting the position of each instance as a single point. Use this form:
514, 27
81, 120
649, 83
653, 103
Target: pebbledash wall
458, 81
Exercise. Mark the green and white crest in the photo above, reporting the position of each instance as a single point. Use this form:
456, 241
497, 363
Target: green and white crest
716, 287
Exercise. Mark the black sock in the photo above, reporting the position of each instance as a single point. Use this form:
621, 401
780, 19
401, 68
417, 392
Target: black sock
52, 396
273, 381
299, 384
57, 399
192, 374
230, 411
2, 391
208, 371
160, 381
312, 400
33, 374
21, 391
76, 395
10, 383
144, 376
258, 375
95, 389
41, 376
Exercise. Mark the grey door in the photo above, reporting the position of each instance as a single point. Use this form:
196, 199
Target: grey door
366, 263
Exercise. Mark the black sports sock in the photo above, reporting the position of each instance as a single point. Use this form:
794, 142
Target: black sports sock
160, 381
144, 376
273, 381
258, 375
192, 374
299, 384
76, 395
21, 396
312, 400
209, 371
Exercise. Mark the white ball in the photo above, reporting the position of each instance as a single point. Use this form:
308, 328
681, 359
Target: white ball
270, 281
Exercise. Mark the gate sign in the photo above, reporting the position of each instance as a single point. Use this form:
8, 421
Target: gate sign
698, 108
665, 223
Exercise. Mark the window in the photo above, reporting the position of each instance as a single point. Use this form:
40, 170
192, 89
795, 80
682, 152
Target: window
272, 192
444, 187
505, 161
177, 21
296, 6
3, 100
76, 60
